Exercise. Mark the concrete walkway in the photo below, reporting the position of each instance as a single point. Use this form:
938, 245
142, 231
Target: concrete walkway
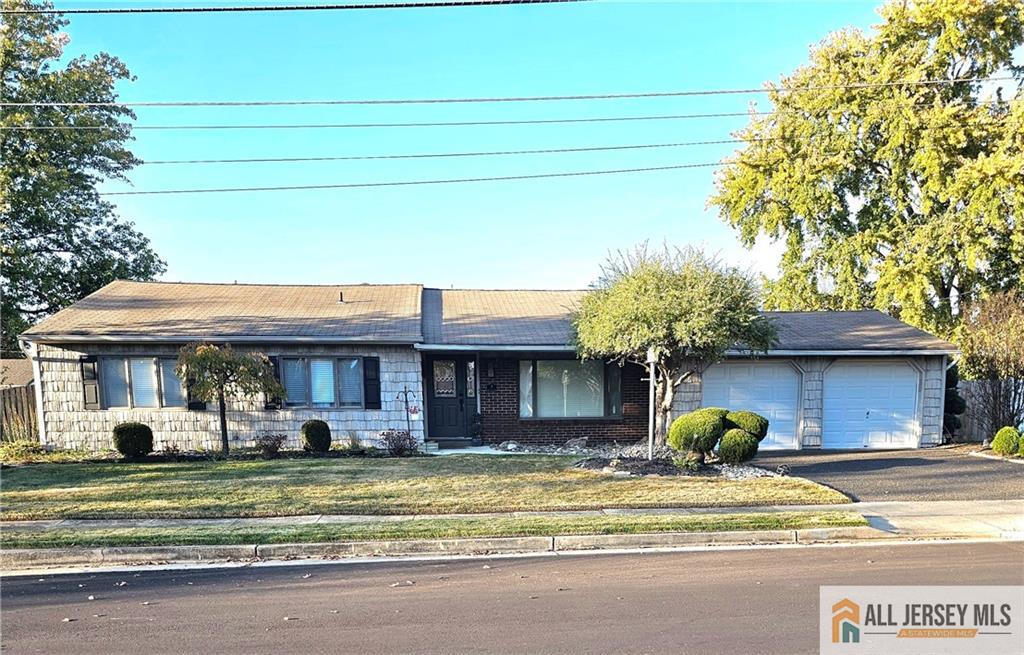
953, 519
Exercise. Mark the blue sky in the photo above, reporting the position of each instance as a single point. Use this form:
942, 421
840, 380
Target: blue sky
537, 234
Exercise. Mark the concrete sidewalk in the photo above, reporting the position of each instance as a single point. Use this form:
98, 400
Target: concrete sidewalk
952, 519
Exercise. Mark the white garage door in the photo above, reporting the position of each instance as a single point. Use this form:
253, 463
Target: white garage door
772, 389
870, 405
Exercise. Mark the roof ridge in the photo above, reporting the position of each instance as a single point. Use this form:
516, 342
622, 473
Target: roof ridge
516, 289
273, 284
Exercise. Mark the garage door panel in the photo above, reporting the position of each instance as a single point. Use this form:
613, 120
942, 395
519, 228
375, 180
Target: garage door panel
769, 388
870, 405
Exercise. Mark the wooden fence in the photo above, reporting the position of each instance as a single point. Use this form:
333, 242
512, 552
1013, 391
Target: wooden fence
18, 412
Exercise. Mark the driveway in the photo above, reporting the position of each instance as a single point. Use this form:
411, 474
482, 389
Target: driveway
927, 474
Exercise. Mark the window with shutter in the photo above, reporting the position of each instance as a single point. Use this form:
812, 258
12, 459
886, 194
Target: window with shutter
371, 382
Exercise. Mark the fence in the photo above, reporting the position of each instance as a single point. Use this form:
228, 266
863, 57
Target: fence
18, 413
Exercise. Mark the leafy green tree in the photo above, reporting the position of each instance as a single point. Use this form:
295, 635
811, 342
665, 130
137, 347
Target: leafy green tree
991, 341
61, 240
687, 307
905, 198
213, 372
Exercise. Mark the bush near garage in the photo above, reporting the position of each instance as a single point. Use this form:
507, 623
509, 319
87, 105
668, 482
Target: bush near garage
698, 432
1007, 441
737, 446
755, 424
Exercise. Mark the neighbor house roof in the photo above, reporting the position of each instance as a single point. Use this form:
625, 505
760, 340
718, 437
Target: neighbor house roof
514, 317
15, 372
179, 310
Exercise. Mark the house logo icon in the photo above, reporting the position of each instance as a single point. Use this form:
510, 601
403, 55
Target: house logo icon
846, 622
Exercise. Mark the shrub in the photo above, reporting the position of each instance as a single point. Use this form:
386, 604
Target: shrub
737, 446
133, 440
698, 431
1006, 441
755, 424
316, 436
19, 450
686, 462
398, 443
269, 444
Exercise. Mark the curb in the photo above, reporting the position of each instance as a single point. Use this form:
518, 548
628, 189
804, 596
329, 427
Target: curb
998, 458
11, 560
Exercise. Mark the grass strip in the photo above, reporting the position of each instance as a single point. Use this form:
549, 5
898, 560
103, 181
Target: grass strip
427, 529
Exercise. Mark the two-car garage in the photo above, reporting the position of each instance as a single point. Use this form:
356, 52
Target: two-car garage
864, 403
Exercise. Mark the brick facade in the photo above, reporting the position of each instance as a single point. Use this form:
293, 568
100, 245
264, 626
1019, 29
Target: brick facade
69, 425
499, 409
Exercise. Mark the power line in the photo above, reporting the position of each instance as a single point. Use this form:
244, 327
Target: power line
486, 153
425, 101
286, 126
280, 8
306, 187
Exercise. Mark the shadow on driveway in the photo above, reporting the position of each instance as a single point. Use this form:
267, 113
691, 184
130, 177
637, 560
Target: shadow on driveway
937, 474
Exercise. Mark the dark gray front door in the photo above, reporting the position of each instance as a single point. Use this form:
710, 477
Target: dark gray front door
448, 403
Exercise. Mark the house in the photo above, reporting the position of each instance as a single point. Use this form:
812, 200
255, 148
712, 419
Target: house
15, 372
474, 366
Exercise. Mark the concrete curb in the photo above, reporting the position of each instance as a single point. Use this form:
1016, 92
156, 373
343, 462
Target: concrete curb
12, 560
998, 458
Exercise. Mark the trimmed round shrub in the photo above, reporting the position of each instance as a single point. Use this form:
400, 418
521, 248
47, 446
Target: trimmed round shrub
316, 436
1006, 441
699, 430
133, 440
755, 424
737, 446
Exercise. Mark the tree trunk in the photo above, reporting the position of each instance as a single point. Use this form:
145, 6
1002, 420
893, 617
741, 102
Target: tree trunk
223, 423
663, 394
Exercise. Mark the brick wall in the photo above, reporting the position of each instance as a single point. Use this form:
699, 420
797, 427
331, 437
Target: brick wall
499, 409
69, 425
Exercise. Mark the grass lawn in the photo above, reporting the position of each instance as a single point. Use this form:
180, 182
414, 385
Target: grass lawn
427, 529
422, 485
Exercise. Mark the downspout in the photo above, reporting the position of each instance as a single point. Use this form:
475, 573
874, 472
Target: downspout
32, 352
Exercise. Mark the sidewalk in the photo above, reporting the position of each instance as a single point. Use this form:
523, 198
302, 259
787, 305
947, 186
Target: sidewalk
951, 519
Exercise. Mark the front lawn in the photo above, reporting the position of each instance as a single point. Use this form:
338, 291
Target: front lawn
421, 485
445, 528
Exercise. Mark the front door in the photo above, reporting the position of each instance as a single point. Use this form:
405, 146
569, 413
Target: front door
451, 396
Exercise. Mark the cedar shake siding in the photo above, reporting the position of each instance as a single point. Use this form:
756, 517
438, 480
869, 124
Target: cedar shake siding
499, 410
69, 424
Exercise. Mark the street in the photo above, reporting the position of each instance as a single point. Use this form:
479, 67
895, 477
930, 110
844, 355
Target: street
735, 601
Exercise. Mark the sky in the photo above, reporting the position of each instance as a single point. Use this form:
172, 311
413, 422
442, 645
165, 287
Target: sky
547, 233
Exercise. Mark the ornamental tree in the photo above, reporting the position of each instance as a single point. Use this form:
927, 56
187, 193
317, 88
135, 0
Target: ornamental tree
685, 306
907, 198
991, 342
211, 372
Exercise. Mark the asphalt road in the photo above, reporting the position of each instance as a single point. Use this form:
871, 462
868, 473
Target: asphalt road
746, 601
937, 474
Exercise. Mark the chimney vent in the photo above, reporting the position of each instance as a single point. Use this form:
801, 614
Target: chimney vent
341, 296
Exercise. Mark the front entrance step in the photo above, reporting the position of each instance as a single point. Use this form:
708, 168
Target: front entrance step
452, 442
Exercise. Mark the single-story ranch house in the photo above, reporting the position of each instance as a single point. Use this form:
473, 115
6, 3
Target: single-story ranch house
481, 366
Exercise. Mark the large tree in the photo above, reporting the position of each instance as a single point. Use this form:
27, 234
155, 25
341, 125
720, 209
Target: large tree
906, 198
61, 240
685, 306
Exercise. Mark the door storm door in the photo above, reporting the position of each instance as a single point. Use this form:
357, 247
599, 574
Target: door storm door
450, 403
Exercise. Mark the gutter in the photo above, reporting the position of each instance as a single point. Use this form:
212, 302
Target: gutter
845, 353
496, 348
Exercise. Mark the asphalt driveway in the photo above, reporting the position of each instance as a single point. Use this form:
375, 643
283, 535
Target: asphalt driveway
927, 474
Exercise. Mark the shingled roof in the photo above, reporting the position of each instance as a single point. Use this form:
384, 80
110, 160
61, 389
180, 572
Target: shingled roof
408, 313
179, 310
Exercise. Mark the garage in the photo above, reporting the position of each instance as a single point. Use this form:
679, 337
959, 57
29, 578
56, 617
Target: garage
772, 389
870, 405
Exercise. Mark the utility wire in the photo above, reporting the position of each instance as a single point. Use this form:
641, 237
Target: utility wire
305, 187
279, 8
427, 101
486, 153
287, 126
